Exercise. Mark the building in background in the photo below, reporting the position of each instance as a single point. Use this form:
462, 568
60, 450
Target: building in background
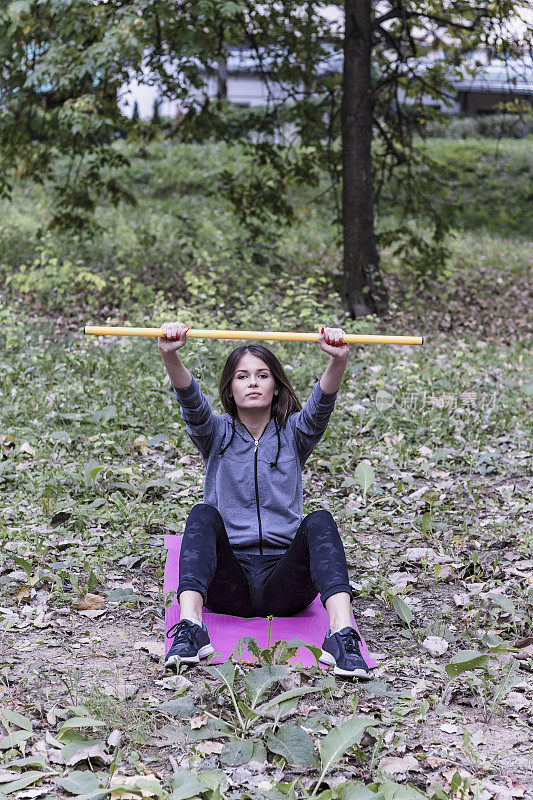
246, 80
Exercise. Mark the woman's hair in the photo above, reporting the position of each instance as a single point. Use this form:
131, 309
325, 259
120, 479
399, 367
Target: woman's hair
284, 403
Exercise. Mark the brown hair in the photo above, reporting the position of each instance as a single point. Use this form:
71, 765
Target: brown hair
284, 403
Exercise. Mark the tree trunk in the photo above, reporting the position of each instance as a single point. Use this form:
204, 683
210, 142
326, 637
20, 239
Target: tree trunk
363, 290
222, 77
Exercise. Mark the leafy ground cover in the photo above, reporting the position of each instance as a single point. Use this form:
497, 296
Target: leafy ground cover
95, 468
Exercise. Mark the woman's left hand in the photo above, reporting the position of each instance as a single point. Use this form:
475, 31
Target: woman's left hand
331, 341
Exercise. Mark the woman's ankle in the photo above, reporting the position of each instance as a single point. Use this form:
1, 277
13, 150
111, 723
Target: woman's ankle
191, 605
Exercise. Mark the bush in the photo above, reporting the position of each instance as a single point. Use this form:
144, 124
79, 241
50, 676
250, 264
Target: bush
490, 126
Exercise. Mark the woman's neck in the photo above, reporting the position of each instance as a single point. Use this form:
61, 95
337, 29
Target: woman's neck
256, 422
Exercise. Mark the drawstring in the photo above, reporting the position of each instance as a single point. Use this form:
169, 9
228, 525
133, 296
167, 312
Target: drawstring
275, 463
272, 463
223, 450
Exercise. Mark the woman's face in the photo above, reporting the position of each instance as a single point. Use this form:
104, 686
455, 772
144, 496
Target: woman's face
252, 384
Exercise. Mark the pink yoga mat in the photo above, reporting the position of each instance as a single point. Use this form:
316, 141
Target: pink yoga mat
225, 630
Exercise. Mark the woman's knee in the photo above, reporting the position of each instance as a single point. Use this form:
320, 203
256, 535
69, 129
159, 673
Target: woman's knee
320, 520
204, 513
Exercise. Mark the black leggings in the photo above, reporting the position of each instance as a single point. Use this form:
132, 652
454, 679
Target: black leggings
248, 585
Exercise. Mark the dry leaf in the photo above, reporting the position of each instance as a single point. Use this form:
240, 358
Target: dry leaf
22, 594
145, 784
114, 739
25, 447
91, 602
198, 721
448, 727
393, 765
92, 614
434, 762
435, 645
461, 600
208, 747
94, 752
155, 649
141, 443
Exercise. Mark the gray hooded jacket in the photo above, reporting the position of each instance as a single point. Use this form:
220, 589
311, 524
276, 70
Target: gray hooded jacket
255, 485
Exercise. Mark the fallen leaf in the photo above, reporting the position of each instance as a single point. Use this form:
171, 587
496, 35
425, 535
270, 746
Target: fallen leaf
22, 594
91, 602
207, 747
94, 752
435, 645
155, 649
120, 690
517, 701
114, 739
426, 554
393, 765
25, 447
92, 614
199, 721
461, 600
140, 443
144, 785
449, 728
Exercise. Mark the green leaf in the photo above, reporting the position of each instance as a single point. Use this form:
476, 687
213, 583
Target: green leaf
403, 610
333, 747
504, 603
27, 779
294, 744
185, 784
223, 672
355, 790
257, 681
364, 475
79, 722
288, 695
25, 565
214, 780
236, 752
465, 660
313, 649
79, 782
90, 472
14, 739
181, 707
16, 719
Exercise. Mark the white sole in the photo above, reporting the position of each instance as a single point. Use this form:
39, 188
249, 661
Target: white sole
327, 658
204, 651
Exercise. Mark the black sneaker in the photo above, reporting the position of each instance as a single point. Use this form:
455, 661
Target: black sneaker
343, 651
191, 642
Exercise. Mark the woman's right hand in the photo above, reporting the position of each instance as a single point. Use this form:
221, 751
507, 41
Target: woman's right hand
174, 337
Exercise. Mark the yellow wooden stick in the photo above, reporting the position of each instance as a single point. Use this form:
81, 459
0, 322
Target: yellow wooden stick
276, 336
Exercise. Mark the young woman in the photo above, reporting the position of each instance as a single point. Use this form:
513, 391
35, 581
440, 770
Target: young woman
248, 550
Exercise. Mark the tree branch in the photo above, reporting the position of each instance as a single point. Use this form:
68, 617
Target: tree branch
394, 13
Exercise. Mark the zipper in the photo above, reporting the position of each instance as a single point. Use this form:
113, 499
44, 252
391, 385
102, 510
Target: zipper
256, 441
257, 499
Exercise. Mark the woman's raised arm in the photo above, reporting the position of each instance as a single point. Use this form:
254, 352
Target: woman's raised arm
331, 341
200, 419
174, 337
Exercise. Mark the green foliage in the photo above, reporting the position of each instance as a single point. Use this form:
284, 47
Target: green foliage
489, 126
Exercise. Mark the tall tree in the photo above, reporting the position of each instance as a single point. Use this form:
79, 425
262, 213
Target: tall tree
363, 289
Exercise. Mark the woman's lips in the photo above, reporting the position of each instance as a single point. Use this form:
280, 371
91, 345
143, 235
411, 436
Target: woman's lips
254, 394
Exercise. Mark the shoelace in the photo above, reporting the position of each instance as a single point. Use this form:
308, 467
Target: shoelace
351, 640
183, 635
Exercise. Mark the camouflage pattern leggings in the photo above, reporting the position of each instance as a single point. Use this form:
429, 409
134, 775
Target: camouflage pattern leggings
248, 585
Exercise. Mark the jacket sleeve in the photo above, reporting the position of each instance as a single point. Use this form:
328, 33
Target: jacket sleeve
311, 422
199, 417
